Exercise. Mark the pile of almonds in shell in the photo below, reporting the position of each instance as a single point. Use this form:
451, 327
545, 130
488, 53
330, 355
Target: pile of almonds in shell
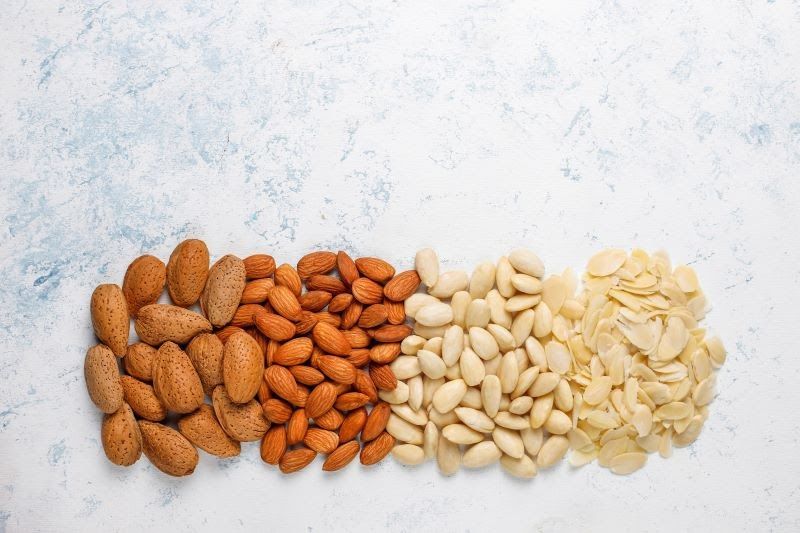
294, 357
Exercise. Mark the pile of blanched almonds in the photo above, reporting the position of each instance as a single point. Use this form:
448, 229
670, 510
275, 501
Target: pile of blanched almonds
513, 365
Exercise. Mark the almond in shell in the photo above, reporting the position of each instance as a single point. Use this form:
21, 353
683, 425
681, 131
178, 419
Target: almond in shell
206, 353
187, 271
175, 380
203, 430
168, 450
122, 441
144, 282
223, 291
243, 422
139, 361
142, 399
242, 368
102, 379
158, 323
110, 317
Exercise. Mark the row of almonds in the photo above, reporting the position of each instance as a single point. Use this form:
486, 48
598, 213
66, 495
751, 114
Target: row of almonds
512, 366
297, 358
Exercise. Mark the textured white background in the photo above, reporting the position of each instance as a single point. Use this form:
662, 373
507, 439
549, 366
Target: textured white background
378, 128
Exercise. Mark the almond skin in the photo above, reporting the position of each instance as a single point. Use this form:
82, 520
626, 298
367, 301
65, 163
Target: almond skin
377, 449
351, 315
341, 456
337, 369
340, 302
321, 440
281, 382
285, 303
122, 440
276, 411
306, 323
187, 271
242, 367
358, 357
243, 422
223, 291
286, 276
352, 425
373, 316
402, 286
175, 380
320, 400
357, 337
307, 375
316, 263
383, 377
206, 353
159, 323
392, 333
246, 314
330, 420
351, 400
274, 326
168, 450
296, 427
329, 318
203, 430
347, 268
364, 385
395, 311
142, 399
293, 352
330, 339
256, 291
315, 300
273, 445
295, 460
385, 353
259, 266
376, 421
144, 282
375, 269
367, 291
102, 379
110, 318
139, 361
329, 284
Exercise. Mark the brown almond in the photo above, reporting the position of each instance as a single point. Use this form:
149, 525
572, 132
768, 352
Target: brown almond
358, 357
122, 440
314, 300
375, 269
320, 400
374, 315
259, 266
272, 349
285, 303
175, 380
168, 450
276, 411
273, 445
329, 318
202, 429
158, 323
375, 450
110, 318
351, 400
139, 361
281, 381
295, 460
376, 421
225, 333
367, 291
330, 339
316, 263
256, 291
330, 284
223, 291
341, 456
384, 353
242, 368
340, 302
296, 427
348, 271
294, 352
206, 353
142, 399
300, 397
364, 385
321, 440
187, 271
353, 424
274, 326
144, 282
101, 373
337, 369
243, 422
330, 420
402, 286
245, 315
357, 337
307, 375
286, 276
395, 311
264, 393
392, 333
351, 315
383, 377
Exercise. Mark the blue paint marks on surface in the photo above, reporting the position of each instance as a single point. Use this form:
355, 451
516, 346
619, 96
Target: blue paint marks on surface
4, 516
167, 496
759, 134
55, 454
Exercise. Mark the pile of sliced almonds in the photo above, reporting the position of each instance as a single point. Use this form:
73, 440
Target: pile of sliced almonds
514, 366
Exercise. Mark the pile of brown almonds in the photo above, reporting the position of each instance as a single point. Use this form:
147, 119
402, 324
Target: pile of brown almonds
293, 368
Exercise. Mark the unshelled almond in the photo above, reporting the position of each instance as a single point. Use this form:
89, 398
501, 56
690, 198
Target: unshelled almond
159, 323
175, 380
321, 440
168, 450
110, 317
293, 352
142, 399
296, 427
102, 379
321, 399
376, 421
144, 282
392, 333
256, 291
187, 271
274, 326
223, 291
315, 300
281, 381
383, 377
203, 430
330, 284
347, 268
352, 424
122, 440
337, 369
340, 302
330, 419
243, 367
206, 353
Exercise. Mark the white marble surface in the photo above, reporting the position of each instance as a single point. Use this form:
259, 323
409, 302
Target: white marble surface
380, 127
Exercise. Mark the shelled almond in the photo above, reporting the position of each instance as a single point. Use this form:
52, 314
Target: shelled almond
291, 357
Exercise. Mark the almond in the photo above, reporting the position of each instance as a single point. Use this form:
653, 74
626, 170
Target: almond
377, 449
341, 456
306, 323
383, 377
243, 422
307, 375
122, 440
347, 268
285, 303
246, 314
294, 352
202, 429
187, 271
330, 420
139, 361
223, 290
320, 400
367, 291
296, 427
364, 385
350, 401
395, 311
330, 339
287, 276
102, 379
256, 291
402, 286
142, 399
275, 327
206, 353
340, 302
168, 450
315, 300
316, 263
351, 315
337, 369
321, 440
392, 333
259, 266
225, 333
376, 421
353, 424
175, 380
281, 382
273, 445
144, 282
357, 338
158, 323
375, 269
384, 353
301, 396
358, 357
276, 411
243, 367
110, 318
329, 318
295, 460
264, 393
372, 316
329, 284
